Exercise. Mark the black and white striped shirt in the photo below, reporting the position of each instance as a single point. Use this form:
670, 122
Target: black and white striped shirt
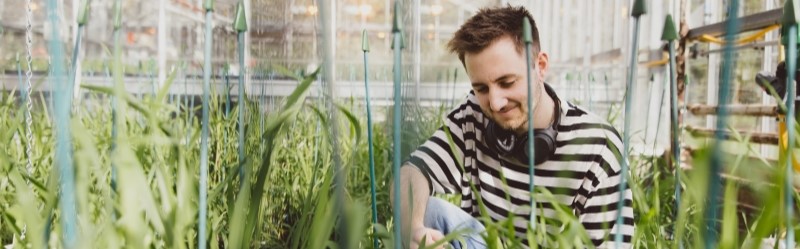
583, 174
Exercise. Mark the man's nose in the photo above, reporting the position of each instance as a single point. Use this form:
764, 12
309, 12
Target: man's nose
497, 100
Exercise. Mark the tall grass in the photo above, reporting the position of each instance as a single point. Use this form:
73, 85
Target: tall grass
288, 200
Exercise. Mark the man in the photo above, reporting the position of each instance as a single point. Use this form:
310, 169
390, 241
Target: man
482, 144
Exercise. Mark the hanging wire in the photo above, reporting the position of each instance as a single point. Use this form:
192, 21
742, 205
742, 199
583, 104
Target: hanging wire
28, 76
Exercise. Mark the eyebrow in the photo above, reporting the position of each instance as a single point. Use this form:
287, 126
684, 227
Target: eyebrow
499, 79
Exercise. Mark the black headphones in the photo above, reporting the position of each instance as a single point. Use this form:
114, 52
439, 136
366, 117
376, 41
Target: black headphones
507, 144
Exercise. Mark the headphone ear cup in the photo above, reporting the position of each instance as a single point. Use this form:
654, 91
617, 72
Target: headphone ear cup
545, 142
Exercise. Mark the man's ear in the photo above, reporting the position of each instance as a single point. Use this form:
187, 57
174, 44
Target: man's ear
542, 61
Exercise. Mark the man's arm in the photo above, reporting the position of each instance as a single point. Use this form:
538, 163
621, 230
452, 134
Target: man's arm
414, 187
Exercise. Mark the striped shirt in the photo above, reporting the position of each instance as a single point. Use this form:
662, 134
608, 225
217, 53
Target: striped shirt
583, 174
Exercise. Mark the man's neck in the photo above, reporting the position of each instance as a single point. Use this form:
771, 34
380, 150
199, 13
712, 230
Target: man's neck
543, 112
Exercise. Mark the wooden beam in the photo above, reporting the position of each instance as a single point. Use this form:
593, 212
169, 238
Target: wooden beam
745, 110
748, 23
755, 137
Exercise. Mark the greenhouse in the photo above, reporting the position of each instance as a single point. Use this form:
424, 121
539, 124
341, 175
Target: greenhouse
399, 124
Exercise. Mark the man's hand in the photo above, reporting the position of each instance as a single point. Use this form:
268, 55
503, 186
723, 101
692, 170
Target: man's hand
431, 236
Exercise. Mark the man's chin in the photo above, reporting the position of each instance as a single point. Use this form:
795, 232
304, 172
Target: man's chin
510, 126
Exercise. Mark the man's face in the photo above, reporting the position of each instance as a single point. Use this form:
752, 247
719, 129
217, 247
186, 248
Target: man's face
499, 78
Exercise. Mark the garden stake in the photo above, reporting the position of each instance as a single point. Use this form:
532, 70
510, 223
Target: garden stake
670, 34
63, 157
647, 119
21, 85
261, 109
203, 205
81, 20
365, 49
790, 42
658, 120
731, 27
224, 76
118, 85
639, 9
340, 178
608, 96
528, 39
240, 25
227, 91
397, 45
589, 83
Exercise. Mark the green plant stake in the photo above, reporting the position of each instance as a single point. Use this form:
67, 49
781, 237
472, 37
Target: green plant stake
118, 85
790, 42
589, 83
81, 19
638, 10
227, 91
203, 205
151, 72
63, 157
670, 34
397, 45
21, 85
261, 109
365, 49
224, 76
240, 24
647, 119
731, 27
528, 38
340, 177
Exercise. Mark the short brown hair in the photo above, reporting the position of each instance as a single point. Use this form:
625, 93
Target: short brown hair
488, 25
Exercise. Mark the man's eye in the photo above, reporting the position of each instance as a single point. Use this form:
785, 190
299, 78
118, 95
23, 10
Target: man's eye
507, 83
481, 89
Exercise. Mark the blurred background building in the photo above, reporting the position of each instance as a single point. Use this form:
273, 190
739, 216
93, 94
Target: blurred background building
588, 43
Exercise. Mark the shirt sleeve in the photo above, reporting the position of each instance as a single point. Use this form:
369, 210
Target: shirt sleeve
441, 157
600, 212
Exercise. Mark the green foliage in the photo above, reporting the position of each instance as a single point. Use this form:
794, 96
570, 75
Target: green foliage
288, 199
